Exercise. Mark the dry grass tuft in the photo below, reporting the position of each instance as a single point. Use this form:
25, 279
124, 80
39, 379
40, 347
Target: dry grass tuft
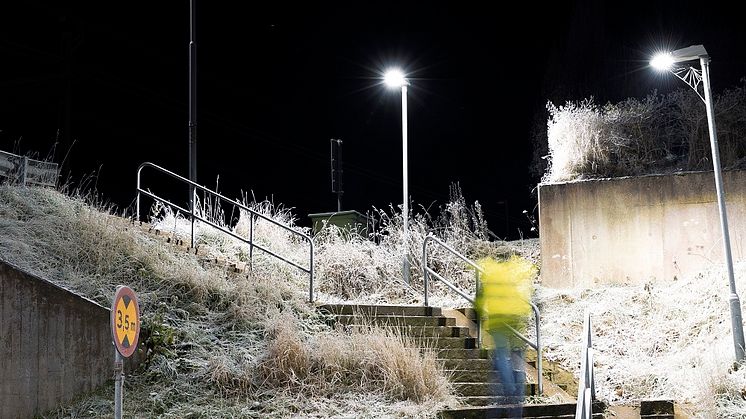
366, 359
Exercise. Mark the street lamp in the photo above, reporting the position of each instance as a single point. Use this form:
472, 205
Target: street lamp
192, 125
394, 79
693, 77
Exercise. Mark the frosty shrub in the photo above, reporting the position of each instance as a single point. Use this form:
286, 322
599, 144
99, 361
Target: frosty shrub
351, 267
656, 134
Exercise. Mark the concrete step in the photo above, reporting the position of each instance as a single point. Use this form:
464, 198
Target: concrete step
431, 342
554, 410
551, 389
424, 331
463, 354
397, 320
554, 372
472, 376
487, 389
375, 310
468, 312
445, 343
471, 364
483, 401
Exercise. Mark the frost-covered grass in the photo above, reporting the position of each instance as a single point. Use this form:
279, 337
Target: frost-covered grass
218, 344
669, 340
350, 267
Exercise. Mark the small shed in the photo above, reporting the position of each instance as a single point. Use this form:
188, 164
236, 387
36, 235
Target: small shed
346, 221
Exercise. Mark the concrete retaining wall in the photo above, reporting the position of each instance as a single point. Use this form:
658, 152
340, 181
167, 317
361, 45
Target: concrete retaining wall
634, 230
54, 344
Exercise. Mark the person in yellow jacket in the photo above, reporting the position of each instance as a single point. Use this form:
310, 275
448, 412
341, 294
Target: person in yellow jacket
502, 303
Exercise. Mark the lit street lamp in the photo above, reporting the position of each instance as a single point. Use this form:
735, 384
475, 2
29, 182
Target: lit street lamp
395, 79
693, 77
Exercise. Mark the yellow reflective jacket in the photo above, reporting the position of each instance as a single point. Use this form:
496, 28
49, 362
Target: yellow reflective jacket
504, 293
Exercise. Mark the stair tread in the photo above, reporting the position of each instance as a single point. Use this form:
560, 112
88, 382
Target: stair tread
529, 410
377, 306
374, 309
394, 316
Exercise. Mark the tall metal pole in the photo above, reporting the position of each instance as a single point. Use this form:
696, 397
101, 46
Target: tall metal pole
192, 111
735, 303
340, 172
335, 157
405, 180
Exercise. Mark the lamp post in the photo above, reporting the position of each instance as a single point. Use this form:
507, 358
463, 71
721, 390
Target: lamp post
192, 125
395, 79
693, 77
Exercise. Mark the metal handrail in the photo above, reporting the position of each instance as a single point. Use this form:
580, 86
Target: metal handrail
586, 387
477, 269
254, 214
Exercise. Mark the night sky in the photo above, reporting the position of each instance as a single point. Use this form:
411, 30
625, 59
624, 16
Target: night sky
107, 82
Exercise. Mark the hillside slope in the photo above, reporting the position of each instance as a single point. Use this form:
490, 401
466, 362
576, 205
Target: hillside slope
219, 344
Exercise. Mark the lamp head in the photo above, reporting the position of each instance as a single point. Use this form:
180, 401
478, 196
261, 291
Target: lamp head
665, 60
395, 78
662, 61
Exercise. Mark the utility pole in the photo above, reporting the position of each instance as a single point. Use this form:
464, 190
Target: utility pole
337, 171
67, 79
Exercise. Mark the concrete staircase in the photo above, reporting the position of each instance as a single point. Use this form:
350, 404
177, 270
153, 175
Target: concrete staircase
452, 334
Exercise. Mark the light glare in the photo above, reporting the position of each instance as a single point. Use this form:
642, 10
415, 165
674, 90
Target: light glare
394, 78
662, 61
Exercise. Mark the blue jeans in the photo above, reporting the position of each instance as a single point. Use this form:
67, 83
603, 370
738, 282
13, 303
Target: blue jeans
512, 379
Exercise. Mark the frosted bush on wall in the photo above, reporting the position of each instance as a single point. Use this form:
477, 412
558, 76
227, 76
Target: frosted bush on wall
574, 133
629, 138
653, 135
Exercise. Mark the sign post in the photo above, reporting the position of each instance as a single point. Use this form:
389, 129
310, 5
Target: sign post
125, 332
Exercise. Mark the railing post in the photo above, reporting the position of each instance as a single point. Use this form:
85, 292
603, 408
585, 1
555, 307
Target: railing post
137, 200
592, 384
586, 386
478, 321
424, 268
24, 170
539, 350
591, 376
588, 410
192, 205
251, 241
476, 315
310, 273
